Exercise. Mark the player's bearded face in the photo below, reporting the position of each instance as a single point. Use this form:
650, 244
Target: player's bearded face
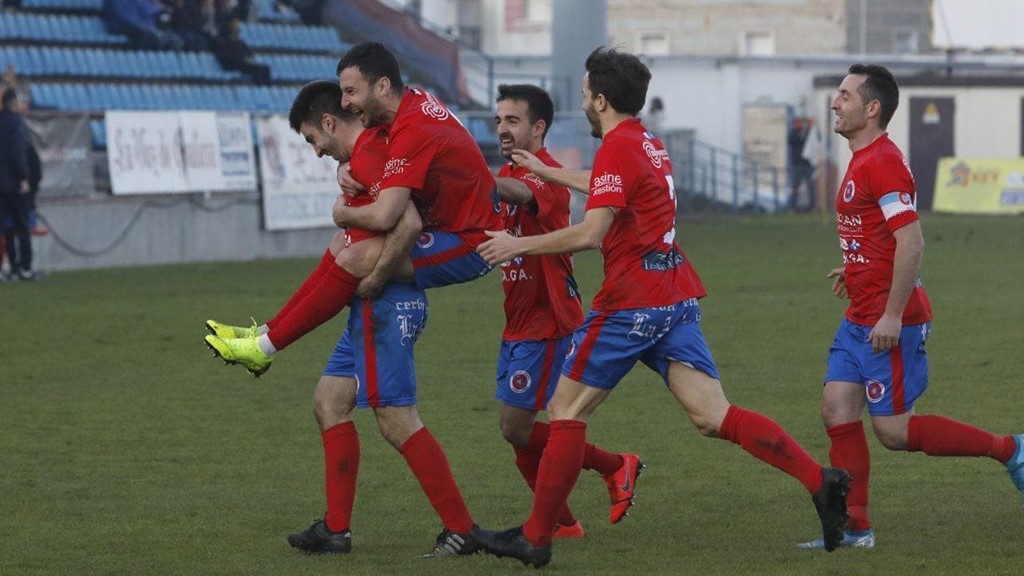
849, 107
590, 110
513, 126
357, 95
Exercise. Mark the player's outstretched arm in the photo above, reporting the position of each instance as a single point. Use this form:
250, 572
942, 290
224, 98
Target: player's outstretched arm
586, 235
578, 180
395, 252
513, 191
382, 215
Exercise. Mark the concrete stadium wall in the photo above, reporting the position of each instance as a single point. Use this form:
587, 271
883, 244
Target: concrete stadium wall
107, 231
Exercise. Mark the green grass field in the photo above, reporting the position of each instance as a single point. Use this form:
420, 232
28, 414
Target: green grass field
127, 449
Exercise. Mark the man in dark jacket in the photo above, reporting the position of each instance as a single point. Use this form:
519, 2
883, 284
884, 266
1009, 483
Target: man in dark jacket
14, 186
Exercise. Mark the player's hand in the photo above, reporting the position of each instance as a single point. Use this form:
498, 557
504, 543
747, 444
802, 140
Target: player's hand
886, 333
502, 247
25, 187
348, 184
839, 282
527, 160
370, 286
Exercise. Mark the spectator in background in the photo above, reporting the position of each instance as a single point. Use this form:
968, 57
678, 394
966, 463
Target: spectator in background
234, 54
190, 20
14, 186
801, 169
140, 20
655, 118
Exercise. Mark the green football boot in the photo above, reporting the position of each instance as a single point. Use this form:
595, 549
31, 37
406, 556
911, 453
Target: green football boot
244, 351
225, 331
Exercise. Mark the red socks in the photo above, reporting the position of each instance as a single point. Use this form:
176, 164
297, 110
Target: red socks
768, 442
559, 470
528, 462
428, 463
941, 436
341, 467
307, 286
330, 295
849, 452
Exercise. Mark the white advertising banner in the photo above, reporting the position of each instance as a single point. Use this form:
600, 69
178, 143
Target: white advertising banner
299, 189
168, 152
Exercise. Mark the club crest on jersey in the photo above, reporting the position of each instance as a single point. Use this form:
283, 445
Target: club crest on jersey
875, 391
426, 240
849, 191
520, 381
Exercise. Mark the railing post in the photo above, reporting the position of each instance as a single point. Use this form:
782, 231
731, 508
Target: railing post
757, 178
691, 146
735, 180
714, 175
775, 186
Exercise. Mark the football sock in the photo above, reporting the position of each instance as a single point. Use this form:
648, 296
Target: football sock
341, 467
334, 291
594, 458
307, 286
850, 452
760, 436
428, 463
528, 462
603, 461
941, 436
559, 470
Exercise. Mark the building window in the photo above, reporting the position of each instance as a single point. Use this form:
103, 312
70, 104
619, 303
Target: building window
527, 15
904, 41
757, 43
653, 43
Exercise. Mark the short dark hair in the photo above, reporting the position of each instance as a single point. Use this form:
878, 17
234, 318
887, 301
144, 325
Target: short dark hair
10, 96
316, 99
538, 102
621, 77
375, 61
879, 85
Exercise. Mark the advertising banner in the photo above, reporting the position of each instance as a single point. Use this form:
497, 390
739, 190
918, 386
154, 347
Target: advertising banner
299, 189
979, 186
64, 144
173, 152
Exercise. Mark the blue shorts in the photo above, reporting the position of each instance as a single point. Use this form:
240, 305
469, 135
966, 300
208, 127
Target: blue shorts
608, 344
893, 379
444, 258
377, 346
528, 371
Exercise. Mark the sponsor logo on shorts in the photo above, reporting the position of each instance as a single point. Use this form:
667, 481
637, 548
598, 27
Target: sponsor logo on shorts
426, 240
572, 348
875, 391
520, 381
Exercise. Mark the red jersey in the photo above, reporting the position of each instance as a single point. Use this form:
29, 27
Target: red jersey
875, 199
643, 266
542, 301
432, 153
369, 155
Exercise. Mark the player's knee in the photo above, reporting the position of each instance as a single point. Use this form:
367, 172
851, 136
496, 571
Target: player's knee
705, 426
514, 434
891, 439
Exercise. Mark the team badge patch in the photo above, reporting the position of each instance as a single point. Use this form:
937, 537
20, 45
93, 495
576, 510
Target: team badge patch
520, 381
426, 240
849, 191
875, 391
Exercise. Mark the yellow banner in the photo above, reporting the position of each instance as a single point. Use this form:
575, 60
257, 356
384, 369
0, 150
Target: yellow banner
979, 186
